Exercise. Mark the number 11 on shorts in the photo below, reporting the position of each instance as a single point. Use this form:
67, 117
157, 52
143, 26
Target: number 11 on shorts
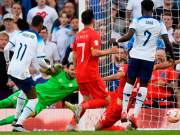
83, 47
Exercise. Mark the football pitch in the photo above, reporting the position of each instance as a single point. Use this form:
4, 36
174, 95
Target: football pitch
148, 132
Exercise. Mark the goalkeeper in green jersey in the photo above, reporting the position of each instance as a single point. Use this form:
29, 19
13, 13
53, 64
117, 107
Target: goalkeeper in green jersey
60, 85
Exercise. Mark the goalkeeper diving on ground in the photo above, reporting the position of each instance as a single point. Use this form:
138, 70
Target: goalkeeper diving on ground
60, 85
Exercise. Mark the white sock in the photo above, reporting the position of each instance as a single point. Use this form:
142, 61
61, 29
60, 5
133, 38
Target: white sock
28, 109
126, 96
20, 103
140, 100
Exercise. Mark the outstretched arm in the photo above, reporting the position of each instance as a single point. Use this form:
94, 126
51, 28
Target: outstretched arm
165, 65
114, 77
125, 38
98, 53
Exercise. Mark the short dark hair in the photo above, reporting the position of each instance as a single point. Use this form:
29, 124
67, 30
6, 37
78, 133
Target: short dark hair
87, 16
74, 17
69, 2
147, 5
69, 64
37, 19
45, 28
47, 61
176, 27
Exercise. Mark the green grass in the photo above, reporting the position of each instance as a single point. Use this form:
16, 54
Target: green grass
150, 132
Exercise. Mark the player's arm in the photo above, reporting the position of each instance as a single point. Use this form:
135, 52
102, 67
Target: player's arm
57, 71
114, 77
6, 51
125, 38
165, 65
74, 60
98, 53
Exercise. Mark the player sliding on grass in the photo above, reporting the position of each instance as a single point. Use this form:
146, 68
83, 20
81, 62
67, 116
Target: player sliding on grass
86, 53
60, 85
142, 56
113, 113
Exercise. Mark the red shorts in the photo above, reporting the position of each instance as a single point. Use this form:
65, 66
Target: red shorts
97, 89
111, 115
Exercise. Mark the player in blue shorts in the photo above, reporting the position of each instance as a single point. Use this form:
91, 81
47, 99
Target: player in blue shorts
142, 56
26, 45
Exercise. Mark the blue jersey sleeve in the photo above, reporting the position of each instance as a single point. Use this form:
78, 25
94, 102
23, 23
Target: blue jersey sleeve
40, 47
130, 43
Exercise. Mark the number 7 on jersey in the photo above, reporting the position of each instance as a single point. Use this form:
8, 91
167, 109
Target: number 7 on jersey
83, 47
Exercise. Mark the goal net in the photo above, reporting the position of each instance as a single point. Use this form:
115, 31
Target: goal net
110, 16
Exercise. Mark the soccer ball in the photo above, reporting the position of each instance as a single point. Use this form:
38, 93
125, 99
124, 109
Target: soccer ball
173, 115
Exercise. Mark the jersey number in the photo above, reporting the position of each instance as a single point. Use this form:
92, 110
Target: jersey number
149, 35
83, 47
20, 50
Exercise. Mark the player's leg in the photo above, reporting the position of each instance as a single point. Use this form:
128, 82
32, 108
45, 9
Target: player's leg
111, 115
144, 75
20, 103
133, 70
28, 87
5, 103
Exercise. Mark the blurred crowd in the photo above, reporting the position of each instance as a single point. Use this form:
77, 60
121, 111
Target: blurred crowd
61, 22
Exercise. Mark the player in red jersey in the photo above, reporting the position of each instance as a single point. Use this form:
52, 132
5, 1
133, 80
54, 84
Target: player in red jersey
113, 113
86, 53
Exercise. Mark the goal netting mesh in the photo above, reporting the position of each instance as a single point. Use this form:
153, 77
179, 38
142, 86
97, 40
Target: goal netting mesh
109, 22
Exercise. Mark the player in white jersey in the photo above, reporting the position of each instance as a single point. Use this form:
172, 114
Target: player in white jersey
27, 44
142, 55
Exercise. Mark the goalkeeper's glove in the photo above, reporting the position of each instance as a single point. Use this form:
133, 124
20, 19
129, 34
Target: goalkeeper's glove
59, 67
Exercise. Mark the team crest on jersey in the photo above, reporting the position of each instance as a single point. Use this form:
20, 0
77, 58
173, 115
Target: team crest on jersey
121, 68
96, 42
15, 97
163, 75
66, 32
60, 80
70, 85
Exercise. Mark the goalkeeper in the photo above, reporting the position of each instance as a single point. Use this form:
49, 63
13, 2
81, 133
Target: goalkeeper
60, 85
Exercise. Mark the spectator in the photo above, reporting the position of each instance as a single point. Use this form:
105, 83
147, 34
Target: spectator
19, 24
98, 12
122, 4
169, 8
51, 49
59, 4
7, 7
5, 90
74, 25
178, 85
1, 19
161, 84
176, 43
134, 6
119, 24
116, 61
43, 76
167, 19
69, 7
60, 33
48, 13
8, 22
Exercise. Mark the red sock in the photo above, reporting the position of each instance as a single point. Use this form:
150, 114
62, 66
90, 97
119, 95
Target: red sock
114, 128
72, 120
95, 103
